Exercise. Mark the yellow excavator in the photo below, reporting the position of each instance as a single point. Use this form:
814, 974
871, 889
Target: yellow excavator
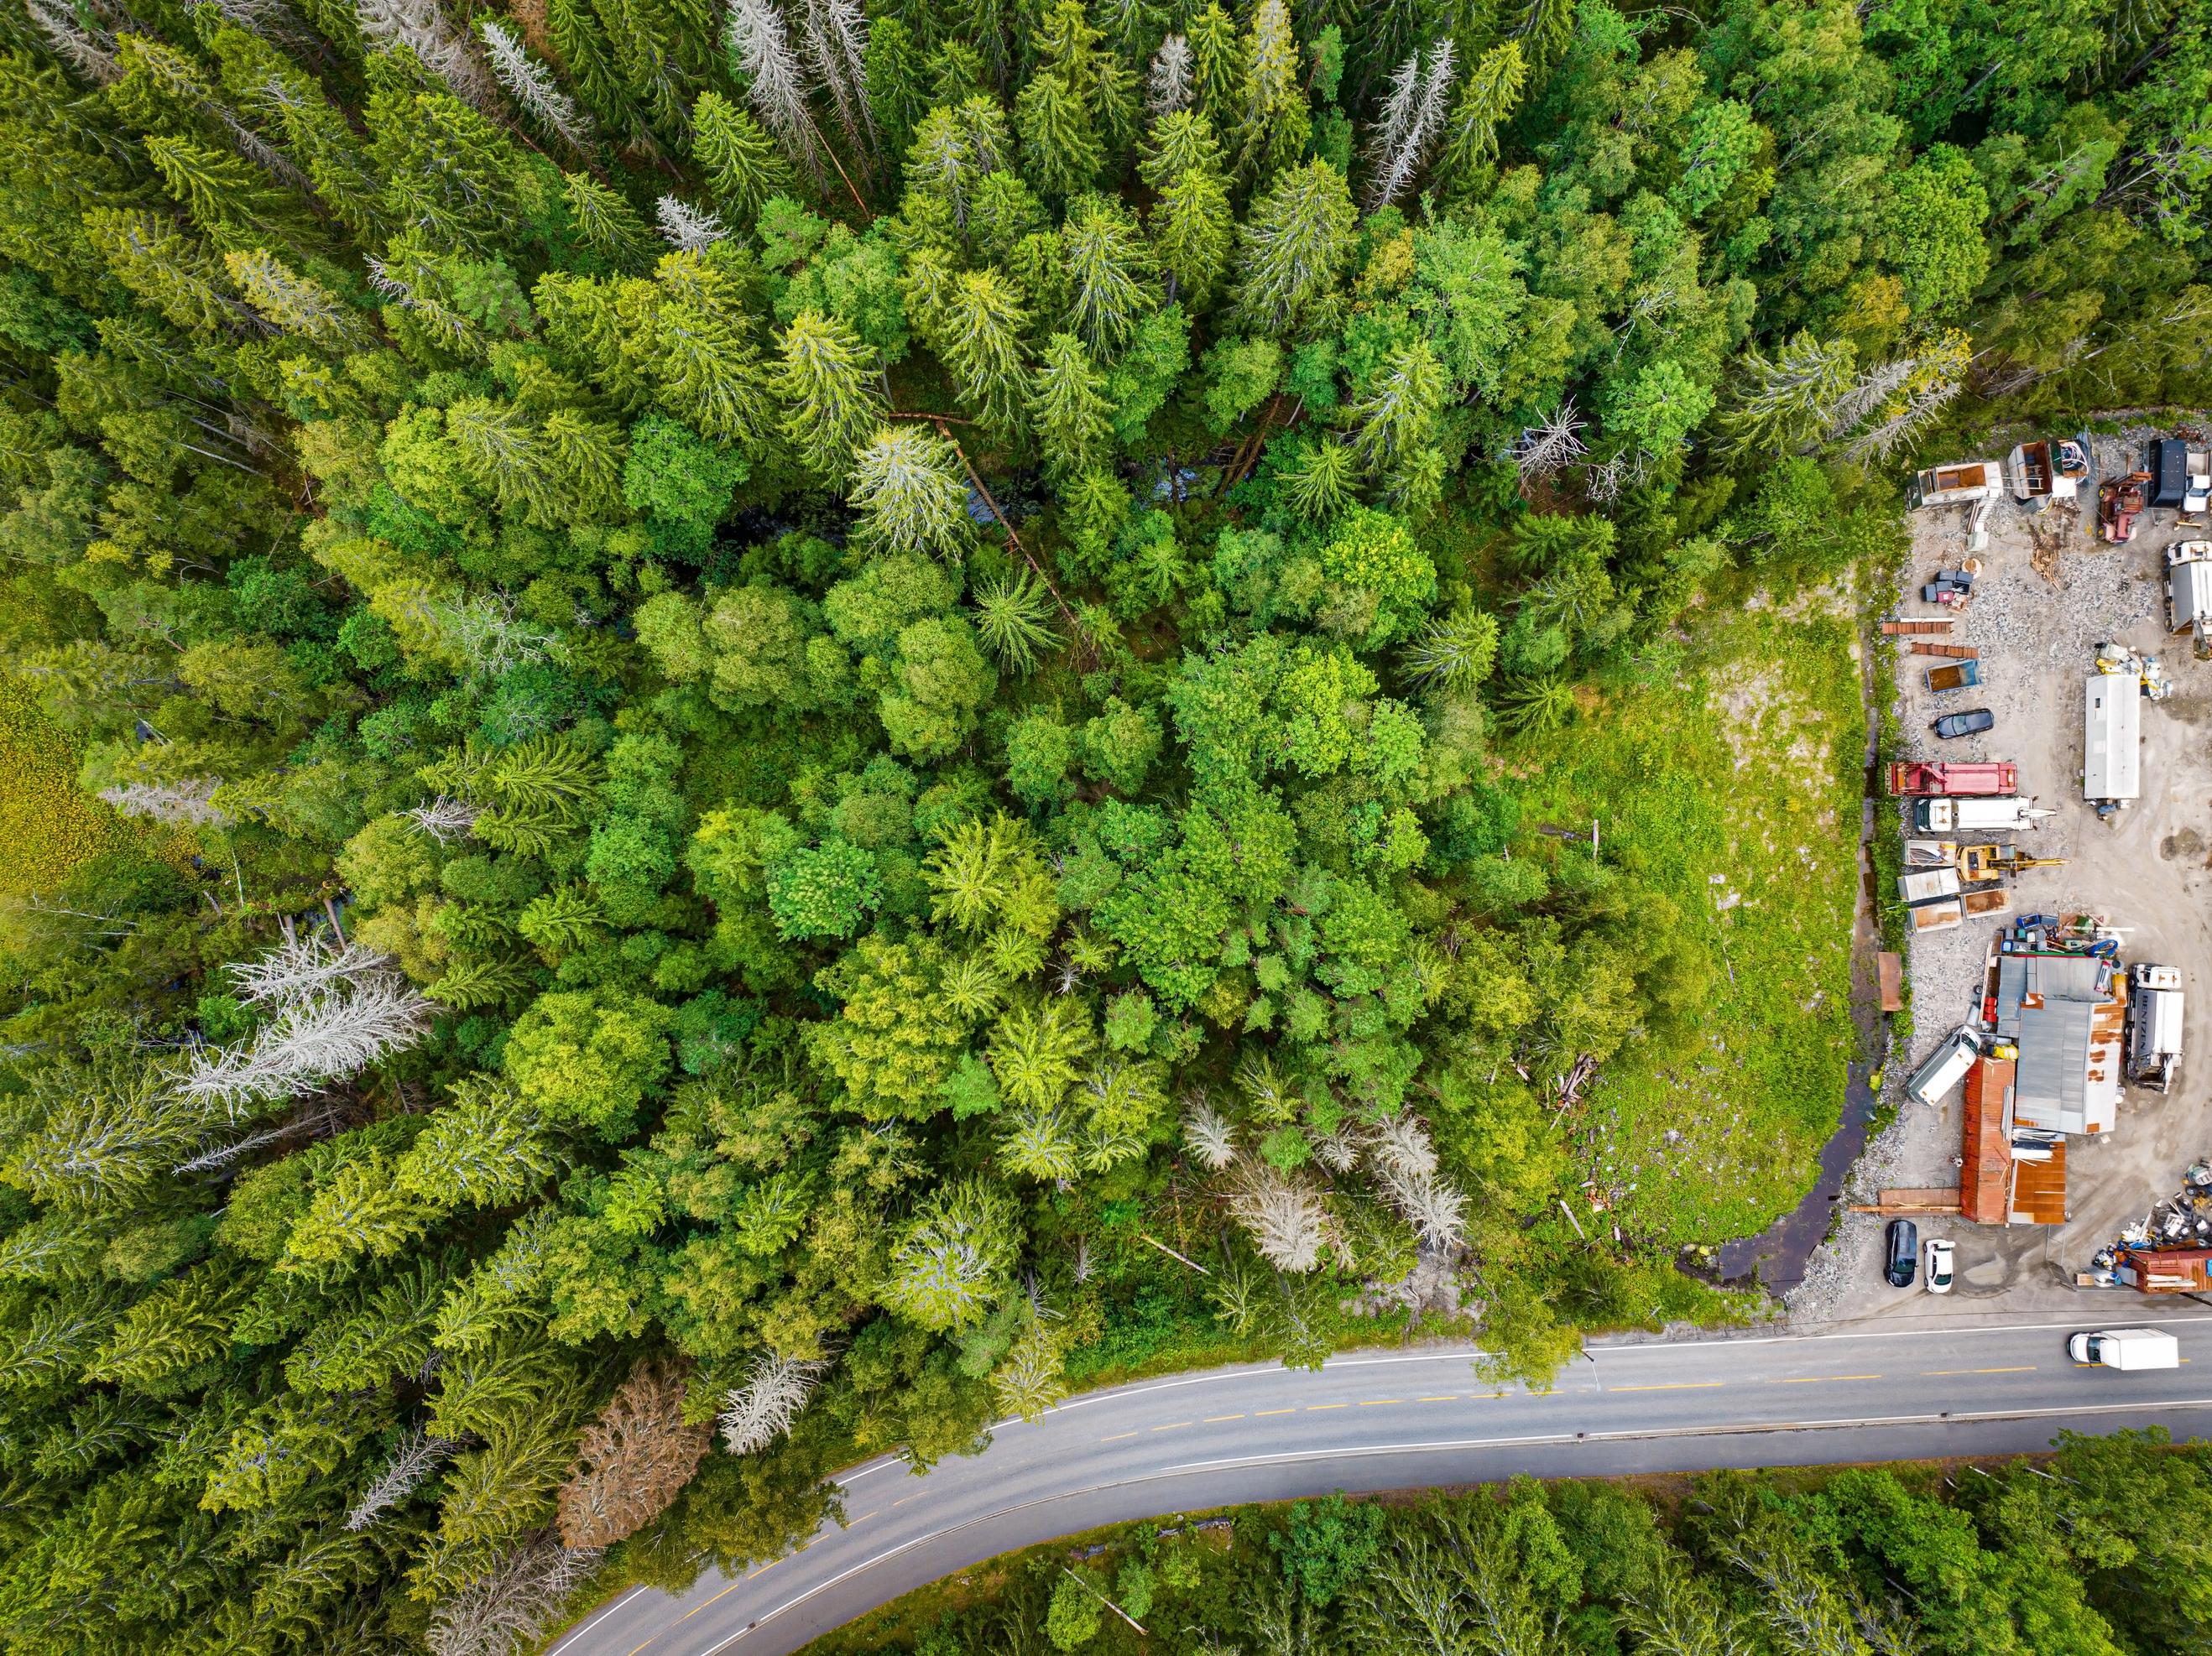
1985, 863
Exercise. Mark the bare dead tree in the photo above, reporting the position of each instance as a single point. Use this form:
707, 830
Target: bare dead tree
414, 1460
1551, 445
633, 1461
338, 1012
506, 1609
444, 820
188, 801
1283, 1215
763, 1410
1402, 1145
1209, 1135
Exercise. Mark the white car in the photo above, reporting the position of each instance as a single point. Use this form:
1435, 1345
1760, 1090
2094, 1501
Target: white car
1939, 1266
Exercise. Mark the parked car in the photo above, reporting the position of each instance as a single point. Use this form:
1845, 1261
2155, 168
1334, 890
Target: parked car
1973, 722
1939, 1266
1904, 1252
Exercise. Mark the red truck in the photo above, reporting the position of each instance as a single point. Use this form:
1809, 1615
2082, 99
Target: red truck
1942, 777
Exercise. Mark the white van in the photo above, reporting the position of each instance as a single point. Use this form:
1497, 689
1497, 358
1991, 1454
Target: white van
1945, 1069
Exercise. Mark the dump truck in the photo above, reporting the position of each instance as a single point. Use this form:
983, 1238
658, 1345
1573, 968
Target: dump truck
1945, 815
2189, 593
1911, 777
2126, 1348
1958, 675
2154, 1025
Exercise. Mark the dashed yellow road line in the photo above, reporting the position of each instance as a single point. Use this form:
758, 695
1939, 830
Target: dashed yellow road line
1315, 1408
1214, 1420
1274, 1411
1117, 1437
2019, 1368
1172, 1426
1823, 1380
696, 1609
1677, 1386
1449, 1397
903, 1498
863, 1518
1376, 1403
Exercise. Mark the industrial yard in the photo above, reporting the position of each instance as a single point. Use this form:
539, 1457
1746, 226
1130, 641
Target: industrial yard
2049, 597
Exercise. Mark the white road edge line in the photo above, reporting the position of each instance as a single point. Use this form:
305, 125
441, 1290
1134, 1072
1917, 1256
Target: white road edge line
1185, 1469
615, 1603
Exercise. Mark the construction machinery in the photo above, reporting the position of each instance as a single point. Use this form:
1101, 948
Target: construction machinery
1978, 864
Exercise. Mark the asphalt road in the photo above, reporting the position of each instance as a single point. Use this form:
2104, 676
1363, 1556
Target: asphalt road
1386, 1421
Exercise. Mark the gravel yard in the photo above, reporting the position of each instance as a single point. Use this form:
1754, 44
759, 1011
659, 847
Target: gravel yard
2048, 595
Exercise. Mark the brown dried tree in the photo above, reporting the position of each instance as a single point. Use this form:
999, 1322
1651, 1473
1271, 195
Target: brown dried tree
636, 1457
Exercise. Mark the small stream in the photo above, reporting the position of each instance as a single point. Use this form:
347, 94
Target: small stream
1777, 1257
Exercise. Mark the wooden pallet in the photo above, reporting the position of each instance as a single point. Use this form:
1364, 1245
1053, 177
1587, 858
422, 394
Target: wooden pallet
1918, 628
1920, 646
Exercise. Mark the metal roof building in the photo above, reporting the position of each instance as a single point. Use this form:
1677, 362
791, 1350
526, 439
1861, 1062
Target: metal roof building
2067, 1022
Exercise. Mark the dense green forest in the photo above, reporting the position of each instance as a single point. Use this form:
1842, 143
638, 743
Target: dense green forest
817, 721
2093, 1552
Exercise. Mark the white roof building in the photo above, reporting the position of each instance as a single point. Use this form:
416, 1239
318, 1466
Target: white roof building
2111, 749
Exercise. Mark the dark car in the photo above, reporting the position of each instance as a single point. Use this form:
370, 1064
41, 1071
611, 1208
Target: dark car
1973, 722
1904, 1252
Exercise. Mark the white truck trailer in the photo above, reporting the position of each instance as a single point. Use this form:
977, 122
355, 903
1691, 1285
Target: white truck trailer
2154, 1025
2128, 1349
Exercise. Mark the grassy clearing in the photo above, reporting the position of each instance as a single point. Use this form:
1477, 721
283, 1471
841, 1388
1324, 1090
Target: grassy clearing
46, 822
1735, 791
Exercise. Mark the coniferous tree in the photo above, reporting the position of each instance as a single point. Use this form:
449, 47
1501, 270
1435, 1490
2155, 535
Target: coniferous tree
830, 402
1067, 407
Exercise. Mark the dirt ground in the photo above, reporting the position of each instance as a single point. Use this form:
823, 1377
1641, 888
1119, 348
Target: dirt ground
2048, 594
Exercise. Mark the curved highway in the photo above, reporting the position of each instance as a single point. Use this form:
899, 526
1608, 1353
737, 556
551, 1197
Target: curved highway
1397, 1420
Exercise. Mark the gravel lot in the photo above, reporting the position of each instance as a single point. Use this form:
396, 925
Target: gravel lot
2147, 873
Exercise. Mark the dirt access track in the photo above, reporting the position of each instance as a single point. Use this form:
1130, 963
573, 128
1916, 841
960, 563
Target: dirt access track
2148, 872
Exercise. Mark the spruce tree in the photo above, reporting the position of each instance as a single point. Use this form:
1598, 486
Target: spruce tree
1293, 246
1060, 145
978, 333
1068, 407
1272, 120
823, 376
607, 224
744, 168
1192, 228
910, 493
1106, 268
1487, 99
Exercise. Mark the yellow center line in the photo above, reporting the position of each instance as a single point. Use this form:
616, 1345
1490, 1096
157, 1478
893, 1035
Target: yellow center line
1449, 1397
1315, 1408
762, 1570
2020, 1368
1376, 1403
1274, 1411
1823, 1380
863, 1518
1173, 1425
1678, 1385
1215, 1419
696, 1609
903, 1498
1117, 1437
636, 1649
